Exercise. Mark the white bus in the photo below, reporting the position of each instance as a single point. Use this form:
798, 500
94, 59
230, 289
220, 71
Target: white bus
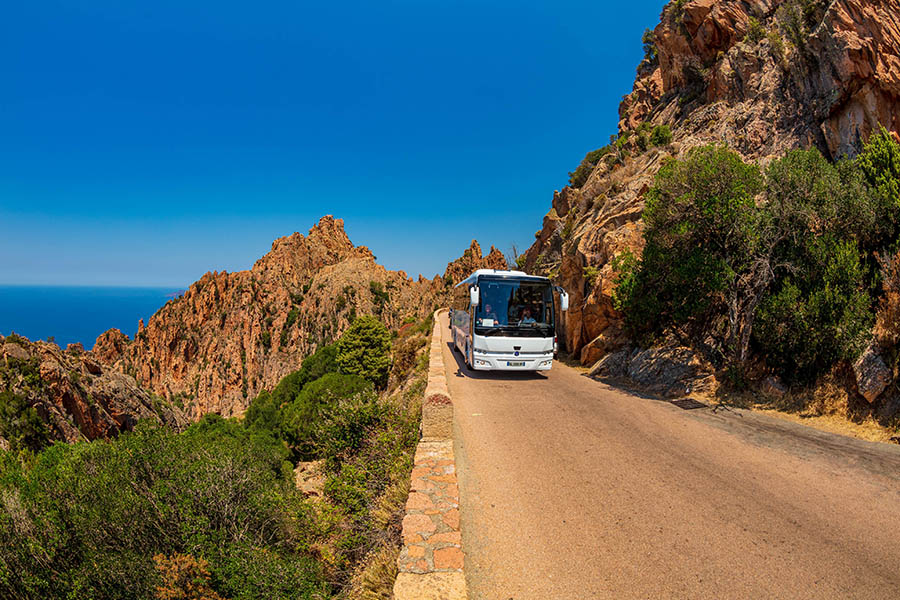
509, 321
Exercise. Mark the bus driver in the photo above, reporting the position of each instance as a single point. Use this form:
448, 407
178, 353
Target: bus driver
490, 314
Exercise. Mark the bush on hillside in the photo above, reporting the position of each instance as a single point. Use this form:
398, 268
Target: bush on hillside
755, 30
303, 414
784, 261
819, 315
579, 176
700, 232
648, 40
20, 424
879, 163
85, 520
314, 366
365, 350
661, 136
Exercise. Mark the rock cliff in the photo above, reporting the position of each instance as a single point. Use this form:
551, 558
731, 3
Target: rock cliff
762, 76
471, 260
74, 394
232, 335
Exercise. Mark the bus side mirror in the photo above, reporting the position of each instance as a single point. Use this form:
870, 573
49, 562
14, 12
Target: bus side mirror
563, 300
474, 295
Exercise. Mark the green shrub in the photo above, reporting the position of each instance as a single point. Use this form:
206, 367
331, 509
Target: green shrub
364, 350
579, 176
879, 163
755, 30
379, 296
701, 221
648, 39
590, 276
520, 261
314, 366
643, 141
343, 423
85, 520
820, 315
264, 414
791, 271
677, 10
302, 414
776, 44
661, 136
20, 423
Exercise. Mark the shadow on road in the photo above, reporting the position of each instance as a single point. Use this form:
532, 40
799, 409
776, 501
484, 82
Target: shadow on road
463, 371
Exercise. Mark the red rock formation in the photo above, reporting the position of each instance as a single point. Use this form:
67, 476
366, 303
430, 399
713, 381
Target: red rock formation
75, 395
232, 335
713, 81
472, 260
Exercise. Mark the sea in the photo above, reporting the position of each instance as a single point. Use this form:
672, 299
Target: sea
69, 314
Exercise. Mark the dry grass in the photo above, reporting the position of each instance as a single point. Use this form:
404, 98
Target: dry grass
868, 429
828, 406
375, 579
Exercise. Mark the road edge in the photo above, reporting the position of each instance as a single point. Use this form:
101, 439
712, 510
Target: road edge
431, 562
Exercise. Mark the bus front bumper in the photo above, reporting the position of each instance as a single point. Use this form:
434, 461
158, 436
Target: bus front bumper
504, 362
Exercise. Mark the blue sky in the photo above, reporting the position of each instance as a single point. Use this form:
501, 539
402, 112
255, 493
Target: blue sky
146, 143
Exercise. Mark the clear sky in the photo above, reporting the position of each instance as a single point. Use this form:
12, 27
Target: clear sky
147, 143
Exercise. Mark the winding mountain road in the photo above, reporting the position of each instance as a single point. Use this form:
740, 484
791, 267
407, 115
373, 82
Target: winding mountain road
571, 489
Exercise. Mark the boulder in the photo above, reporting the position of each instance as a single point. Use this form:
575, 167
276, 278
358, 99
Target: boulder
671, 371
872, 374
614, 364
309, 479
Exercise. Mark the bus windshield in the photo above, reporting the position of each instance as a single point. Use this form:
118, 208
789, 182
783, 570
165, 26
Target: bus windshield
515, 307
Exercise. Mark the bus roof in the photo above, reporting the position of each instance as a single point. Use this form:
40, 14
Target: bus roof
498, 273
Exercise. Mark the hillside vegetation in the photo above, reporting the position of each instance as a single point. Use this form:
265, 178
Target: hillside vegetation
214, 511
784, 261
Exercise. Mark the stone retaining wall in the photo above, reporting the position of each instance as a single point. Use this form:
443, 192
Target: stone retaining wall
431, 562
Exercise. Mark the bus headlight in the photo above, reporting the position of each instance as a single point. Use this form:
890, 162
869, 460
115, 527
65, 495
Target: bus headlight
480, 363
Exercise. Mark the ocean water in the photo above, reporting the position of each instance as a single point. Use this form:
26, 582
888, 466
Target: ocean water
77, 314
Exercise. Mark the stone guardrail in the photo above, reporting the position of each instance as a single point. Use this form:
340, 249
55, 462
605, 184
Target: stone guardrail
431, 561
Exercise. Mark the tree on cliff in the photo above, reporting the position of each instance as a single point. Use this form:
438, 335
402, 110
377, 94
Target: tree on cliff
365, 350
703, 255
728, 249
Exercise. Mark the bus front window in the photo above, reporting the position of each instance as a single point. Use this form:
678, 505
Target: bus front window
519, 305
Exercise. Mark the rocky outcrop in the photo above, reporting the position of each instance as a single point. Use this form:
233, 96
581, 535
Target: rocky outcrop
725, 71
232, 335
471, 260
671, 371
872, 373
78, 397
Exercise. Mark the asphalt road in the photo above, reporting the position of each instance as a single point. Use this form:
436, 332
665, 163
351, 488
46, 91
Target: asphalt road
572, 489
